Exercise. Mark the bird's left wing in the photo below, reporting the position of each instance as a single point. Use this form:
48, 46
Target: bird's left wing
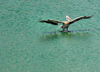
54, 22
79, 18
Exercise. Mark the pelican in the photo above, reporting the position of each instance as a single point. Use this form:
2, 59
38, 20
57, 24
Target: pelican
65, 23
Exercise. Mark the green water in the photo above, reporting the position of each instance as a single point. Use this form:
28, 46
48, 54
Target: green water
29, 46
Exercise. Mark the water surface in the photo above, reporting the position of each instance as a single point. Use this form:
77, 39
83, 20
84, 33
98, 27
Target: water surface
29, 46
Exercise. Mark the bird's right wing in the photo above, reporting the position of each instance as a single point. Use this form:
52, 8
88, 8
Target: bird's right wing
54, 22
80, 18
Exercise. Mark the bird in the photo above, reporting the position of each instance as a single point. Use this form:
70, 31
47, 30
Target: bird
67, 23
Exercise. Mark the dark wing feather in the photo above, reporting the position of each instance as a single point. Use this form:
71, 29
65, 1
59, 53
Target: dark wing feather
80, 18
54, 22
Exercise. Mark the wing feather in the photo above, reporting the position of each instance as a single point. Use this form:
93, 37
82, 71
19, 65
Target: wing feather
80, 18
54, 22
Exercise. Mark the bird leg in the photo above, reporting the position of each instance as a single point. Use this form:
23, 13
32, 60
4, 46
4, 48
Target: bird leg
63, 29
67, 29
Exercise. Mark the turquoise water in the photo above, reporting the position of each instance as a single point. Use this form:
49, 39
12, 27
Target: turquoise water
29, 46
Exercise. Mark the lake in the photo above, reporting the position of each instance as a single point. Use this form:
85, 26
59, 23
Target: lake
29, 46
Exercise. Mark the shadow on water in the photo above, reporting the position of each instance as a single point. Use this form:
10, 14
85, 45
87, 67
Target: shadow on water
73, 31
59, 34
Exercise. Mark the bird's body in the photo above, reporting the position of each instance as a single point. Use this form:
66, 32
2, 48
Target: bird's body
65, 23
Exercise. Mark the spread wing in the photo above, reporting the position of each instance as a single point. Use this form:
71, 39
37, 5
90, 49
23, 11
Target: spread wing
80, 18
54, 22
